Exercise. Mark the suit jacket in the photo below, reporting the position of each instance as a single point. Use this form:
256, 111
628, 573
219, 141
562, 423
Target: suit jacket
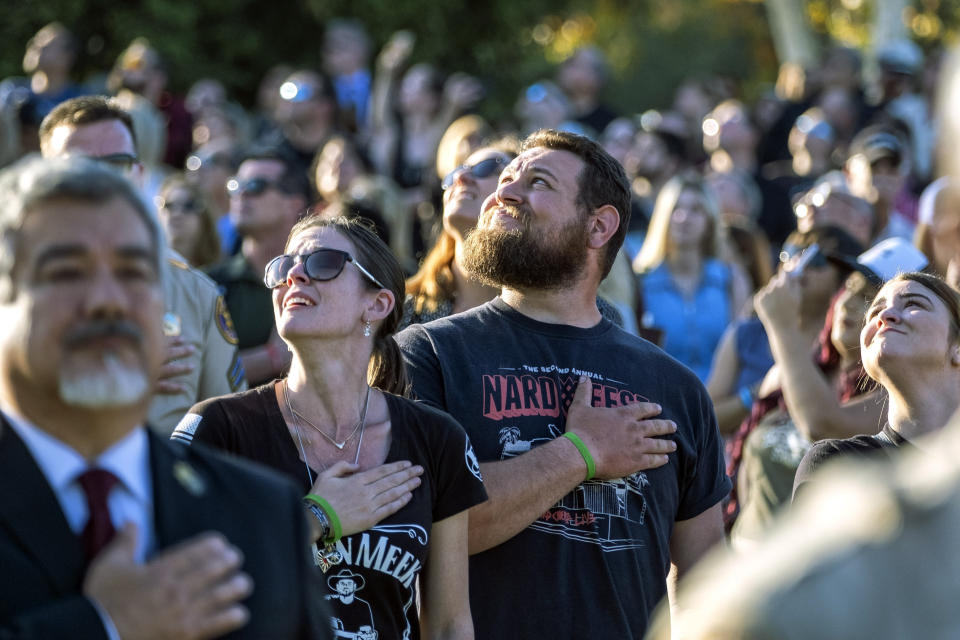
194, 490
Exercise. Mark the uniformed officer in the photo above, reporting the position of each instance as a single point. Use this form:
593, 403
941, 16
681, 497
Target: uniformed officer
202, 359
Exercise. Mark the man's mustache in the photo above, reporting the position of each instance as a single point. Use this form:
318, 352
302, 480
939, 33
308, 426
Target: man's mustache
520, 213
88, 331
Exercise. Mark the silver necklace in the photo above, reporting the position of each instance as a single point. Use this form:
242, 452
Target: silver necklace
296, 427
329, 556
339, 445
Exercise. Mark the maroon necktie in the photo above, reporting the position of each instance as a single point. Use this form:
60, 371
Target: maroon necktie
98, 531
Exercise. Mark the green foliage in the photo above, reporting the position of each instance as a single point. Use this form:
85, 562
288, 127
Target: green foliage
652, 44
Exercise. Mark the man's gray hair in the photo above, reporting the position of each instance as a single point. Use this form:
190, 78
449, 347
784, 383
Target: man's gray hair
33, 181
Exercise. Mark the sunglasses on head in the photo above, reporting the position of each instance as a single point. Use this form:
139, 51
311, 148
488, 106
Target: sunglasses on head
322, 265
251, 187
482, 169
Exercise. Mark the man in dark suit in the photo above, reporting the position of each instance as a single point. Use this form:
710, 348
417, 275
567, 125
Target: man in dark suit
106, 531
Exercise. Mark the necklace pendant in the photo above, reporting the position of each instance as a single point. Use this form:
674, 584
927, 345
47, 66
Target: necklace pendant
339, 445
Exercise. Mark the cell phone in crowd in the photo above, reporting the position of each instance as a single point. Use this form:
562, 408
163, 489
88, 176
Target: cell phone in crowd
804, 259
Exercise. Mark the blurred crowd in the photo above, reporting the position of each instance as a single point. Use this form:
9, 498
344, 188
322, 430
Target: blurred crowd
760, 231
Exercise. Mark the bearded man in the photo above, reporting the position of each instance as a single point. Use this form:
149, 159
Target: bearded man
613, 475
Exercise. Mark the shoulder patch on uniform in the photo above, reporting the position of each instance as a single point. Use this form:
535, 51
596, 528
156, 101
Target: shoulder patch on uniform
224, 322
236, 373
186, 429
180, 264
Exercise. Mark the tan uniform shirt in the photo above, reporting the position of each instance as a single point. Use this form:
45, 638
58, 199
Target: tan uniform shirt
196, 311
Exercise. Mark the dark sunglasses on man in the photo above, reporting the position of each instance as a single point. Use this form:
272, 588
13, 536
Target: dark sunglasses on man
251, 186
482, 169
322, 265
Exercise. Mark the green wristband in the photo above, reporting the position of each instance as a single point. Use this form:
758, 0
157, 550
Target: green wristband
335, 526
582, 448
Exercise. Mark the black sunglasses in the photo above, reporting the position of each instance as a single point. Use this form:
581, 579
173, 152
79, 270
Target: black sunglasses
483, 169
322, 265
251, 187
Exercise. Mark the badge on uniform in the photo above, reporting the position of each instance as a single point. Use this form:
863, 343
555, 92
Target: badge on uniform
224, 322
171, 324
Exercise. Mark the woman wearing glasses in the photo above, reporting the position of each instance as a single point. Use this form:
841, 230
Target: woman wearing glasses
441, 287
388, 481
188, 221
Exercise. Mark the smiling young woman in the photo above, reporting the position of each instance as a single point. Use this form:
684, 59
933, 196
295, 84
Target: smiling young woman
910, 345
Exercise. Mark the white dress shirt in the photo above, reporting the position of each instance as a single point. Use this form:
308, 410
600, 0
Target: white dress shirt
131, 499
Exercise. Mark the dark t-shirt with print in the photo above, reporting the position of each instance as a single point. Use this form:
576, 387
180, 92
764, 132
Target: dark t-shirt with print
884, 444
372, 593
595, 564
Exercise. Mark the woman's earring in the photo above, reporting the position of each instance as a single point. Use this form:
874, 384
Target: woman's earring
366, 329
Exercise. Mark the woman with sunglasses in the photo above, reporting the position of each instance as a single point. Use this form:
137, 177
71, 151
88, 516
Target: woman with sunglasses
387, 480
441, 287
188, 221
910, 345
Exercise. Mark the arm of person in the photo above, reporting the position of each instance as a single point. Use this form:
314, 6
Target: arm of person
445, 614
190, 591
382, 99
811, 400
689, 542
221, 369
174, 366
739, 291
69, 617
621, 440
727, 403
361, 500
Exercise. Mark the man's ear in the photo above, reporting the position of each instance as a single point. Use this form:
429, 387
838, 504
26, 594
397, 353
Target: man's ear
603, 224
955, 356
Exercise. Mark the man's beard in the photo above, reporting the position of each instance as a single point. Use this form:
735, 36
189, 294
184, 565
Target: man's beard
111, 381
525, 259
114, 384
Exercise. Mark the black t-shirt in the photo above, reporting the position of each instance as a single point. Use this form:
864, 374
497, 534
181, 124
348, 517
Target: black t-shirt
887, 442
595, 564
373, 592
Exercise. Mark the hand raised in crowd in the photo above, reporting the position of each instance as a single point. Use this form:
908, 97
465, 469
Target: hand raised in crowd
462, 91
778, 303
173, 365
363, 499
397, 50
622, 440
191, 591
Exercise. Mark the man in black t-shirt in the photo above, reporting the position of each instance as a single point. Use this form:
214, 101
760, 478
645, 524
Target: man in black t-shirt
588, 508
